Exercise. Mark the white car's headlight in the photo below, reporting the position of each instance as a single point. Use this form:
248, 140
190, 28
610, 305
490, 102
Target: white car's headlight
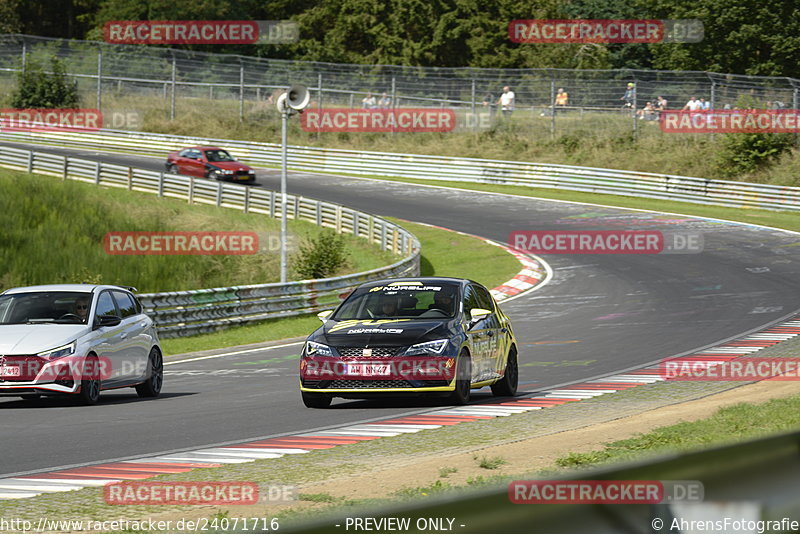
429, 347
317, 349
58, 352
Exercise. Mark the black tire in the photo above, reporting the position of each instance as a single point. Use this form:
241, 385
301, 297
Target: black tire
507, 386
316, 400
155, 375
90, 382
214, 175
460, 395
172, 168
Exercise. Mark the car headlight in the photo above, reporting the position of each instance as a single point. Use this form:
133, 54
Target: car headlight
227, 171
58, 352
428, 347
317, 349
251, 172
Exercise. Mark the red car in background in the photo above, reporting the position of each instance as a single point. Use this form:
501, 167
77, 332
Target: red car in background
209, 162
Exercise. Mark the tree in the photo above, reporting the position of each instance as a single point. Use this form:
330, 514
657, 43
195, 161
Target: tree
39, 89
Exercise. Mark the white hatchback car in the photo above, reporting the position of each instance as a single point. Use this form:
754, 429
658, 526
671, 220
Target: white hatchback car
76, 339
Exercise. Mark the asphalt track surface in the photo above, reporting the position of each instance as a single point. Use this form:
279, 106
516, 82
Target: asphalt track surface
599, 314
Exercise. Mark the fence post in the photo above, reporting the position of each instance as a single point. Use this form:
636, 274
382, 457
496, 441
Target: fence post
472, 107
97, 169
24, 55
130, 178
191, 189
272, 204
635, 107
161, 184
99, 78
319, 214
355, 223
65, 168
219, 194
30, 161
246, 199
795, 103
553, 108
172, 103
241, 91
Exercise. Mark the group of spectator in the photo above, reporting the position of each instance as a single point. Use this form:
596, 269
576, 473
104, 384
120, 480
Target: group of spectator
369, 102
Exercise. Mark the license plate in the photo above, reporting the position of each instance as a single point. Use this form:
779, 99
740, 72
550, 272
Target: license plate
9, 370
368, 369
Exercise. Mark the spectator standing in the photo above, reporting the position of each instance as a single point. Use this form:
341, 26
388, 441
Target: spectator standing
562, 98
385, 102
630, 95
692, 105
506, 101
705, 105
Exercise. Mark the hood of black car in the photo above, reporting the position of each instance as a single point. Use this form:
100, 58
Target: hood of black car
382, 332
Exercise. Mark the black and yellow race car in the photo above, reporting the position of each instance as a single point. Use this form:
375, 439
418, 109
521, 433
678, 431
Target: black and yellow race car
441, 336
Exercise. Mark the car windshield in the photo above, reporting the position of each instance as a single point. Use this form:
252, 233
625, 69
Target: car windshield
45, 307
400, 300
218, 155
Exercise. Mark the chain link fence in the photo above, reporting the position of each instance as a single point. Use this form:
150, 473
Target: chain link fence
112, 76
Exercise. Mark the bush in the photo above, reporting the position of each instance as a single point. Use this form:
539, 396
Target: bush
743, 153
39, 89
320, 256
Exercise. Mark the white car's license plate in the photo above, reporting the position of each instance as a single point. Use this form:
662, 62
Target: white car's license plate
368, 369
9, 370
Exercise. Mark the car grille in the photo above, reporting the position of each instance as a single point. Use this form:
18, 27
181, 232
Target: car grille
368, 384
357, 353
29, 367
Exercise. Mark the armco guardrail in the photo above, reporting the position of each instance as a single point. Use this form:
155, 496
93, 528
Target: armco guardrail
587, 179
204, 310
758, 480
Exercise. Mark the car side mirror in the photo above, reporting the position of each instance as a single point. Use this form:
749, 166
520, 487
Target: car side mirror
107, 320
477, 314
323, 315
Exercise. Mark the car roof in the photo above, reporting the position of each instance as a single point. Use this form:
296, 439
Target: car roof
205, 147
77, 288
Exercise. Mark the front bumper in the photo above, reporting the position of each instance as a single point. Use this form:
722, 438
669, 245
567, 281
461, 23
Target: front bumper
368, 375
32, 375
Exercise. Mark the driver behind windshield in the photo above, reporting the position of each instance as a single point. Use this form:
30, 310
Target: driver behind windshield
82, 308
388, 306
443, 300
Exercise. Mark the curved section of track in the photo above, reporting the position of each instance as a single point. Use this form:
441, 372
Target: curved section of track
599, 314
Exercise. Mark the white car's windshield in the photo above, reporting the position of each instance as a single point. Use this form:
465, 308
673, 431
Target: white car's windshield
59, 307
401, 301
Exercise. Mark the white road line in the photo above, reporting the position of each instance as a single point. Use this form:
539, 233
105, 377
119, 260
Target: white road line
223, 355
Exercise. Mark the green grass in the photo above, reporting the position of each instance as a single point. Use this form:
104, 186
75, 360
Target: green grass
447, 253
53, 232
726, 425
444, 253
445, 472
485, 462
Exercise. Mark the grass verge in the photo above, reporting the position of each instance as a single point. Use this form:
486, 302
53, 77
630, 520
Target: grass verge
444, 253
40, 211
